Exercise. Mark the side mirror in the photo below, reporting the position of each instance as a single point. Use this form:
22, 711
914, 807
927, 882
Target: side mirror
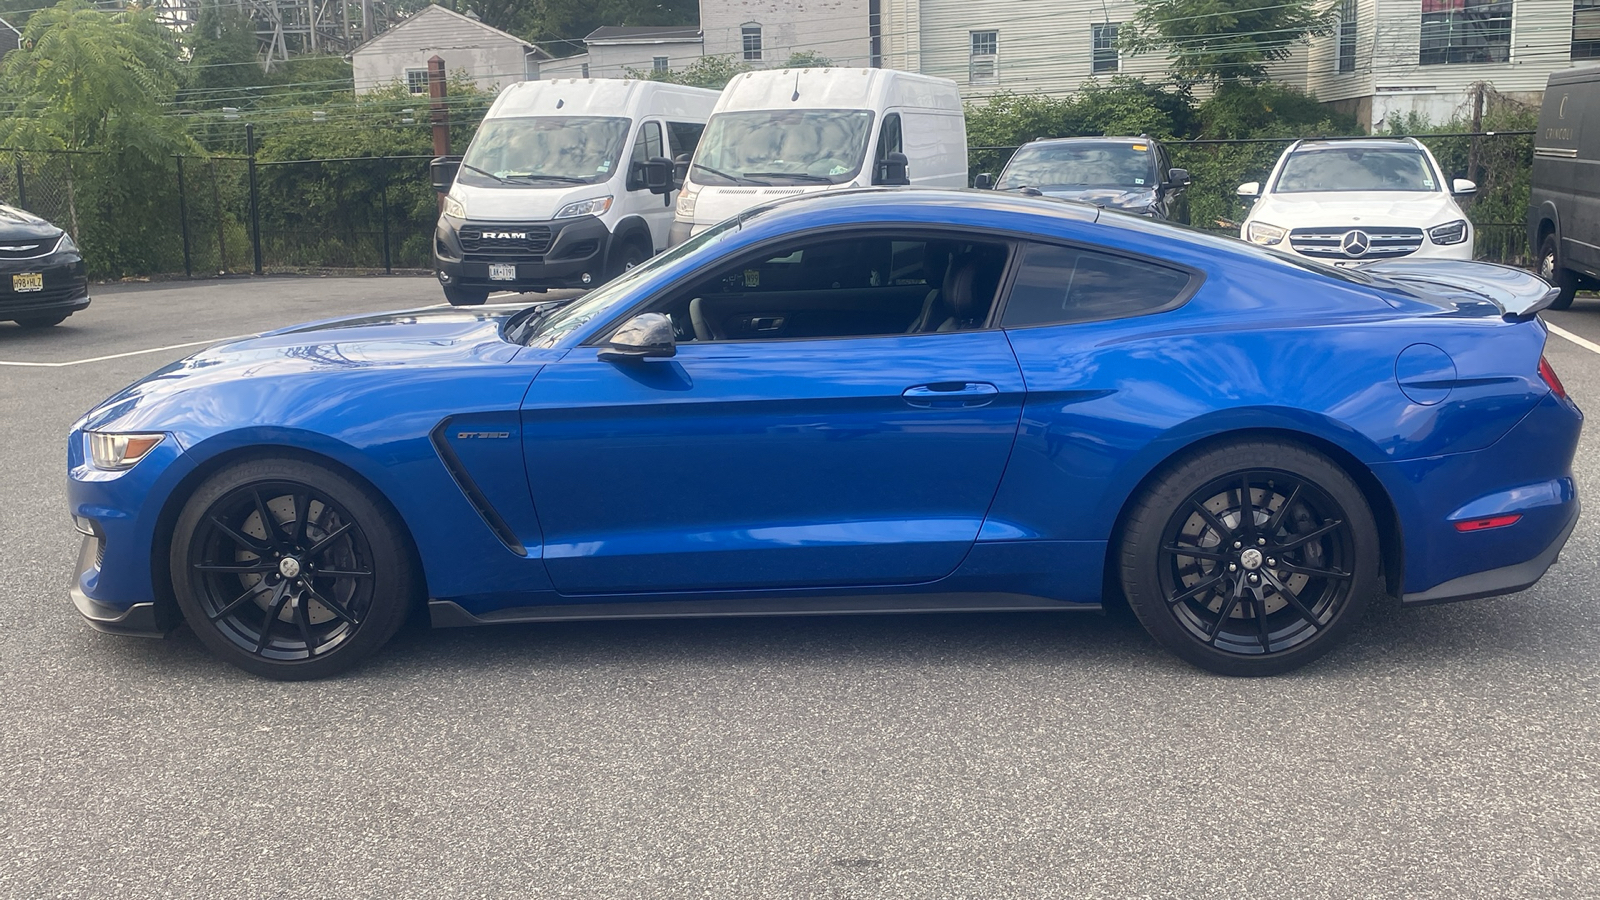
1462, 187
983, 182
680, 168
1250, 189
658, 175
892, 169
1178, 178
443, 171
645, 336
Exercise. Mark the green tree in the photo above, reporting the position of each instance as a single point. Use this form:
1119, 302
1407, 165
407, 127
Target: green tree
807, 59
1224, 40
707, 72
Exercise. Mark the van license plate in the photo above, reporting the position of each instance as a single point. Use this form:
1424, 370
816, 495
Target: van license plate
502, 272
25, 282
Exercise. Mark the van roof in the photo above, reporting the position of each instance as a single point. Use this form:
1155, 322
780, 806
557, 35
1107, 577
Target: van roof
830, 88
1576, 75
603, 97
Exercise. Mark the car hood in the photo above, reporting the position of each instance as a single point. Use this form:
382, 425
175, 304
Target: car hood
1107, 198
415, 340
1353, 208
17, 225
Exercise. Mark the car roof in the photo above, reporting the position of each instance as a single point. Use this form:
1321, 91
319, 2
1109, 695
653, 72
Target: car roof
1358, 144
1093, 139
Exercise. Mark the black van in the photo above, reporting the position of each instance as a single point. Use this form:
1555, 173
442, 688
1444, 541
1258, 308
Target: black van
1564, 215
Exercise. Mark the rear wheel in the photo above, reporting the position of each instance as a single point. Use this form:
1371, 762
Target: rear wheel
465, 296
1252, 558
288, 570
44, 321
1550, 270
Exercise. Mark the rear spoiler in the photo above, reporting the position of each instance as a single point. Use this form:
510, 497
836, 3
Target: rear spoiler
1520, 295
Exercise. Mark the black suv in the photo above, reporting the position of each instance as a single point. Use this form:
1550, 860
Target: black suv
42, 280
1128, 174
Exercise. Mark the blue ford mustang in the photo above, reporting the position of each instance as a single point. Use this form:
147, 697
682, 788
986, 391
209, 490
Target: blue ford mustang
874, 401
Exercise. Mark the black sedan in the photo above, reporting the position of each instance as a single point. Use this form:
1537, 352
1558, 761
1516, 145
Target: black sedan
42, 279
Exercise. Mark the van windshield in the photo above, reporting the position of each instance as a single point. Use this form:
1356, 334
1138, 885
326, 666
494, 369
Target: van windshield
1080, 164
544, 150
789, 146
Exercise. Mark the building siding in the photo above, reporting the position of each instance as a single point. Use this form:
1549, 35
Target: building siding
836, 29
493, 59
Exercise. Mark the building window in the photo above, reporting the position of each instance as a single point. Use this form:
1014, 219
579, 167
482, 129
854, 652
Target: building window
1103, 38
417, 81
1465, 31
983, 67
1586, 29
658, 63
585, 71
752, 40
1347, 36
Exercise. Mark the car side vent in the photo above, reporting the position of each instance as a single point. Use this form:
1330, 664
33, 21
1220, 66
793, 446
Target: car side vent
470, 489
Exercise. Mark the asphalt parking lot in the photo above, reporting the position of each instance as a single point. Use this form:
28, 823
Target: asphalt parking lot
1443, 752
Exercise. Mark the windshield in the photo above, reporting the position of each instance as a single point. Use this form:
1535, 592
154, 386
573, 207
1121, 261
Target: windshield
549, 331
799, 146
1356, 169
544, 150
1079, 164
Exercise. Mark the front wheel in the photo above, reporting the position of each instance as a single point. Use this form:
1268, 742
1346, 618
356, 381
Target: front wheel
45, 321
632, 254
1550, 270
290, 571
1252, 558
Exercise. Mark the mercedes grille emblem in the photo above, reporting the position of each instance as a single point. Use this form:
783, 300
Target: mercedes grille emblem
1355, 243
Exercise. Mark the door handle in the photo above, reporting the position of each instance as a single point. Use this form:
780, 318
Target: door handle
950, 394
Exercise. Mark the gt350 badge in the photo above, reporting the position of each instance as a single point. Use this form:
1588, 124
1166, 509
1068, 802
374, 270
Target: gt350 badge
468, 435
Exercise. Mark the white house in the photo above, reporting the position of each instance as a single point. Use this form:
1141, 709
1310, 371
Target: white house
492, 57
763, 33
613, 50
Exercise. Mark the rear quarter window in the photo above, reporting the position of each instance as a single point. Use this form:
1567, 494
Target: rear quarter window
1059, 285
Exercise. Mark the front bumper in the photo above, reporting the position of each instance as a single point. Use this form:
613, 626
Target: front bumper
576, 256
66, 287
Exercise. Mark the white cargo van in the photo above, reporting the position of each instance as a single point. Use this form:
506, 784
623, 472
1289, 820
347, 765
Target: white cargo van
553, 190
781, 132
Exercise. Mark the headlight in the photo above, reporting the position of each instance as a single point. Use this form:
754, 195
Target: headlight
1262, 233
66, 245
593, 207
1449, 233
115, 452
454, 208
686, 200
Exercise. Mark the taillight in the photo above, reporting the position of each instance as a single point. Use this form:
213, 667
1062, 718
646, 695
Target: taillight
1549, 376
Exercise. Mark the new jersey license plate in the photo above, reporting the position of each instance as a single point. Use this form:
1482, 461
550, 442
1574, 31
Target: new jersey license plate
502, 272
23, 282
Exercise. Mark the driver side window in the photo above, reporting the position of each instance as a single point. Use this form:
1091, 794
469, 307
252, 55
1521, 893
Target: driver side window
855, 286
648, 144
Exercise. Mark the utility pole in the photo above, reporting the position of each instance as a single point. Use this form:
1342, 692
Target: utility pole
439, 111
1473, 161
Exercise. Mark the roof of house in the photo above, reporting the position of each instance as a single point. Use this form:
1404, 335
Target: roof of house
438, 16
646, 34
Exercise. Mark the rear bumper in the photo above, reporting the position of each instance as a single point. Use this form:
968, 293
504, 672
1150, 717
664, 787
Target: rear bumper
1495, 582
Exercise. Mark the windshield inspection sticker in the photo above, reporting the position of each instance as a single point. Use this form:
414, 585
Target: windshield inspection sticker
837, 170
604, 167
1138, 181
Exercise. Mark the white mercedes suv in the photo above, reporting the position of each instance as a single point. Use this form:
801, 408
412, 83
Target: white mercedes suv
1359, 200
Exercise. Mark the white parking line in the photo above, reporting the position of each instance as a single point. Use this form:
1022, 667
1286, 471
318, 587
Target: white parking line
1581, 342
95, 359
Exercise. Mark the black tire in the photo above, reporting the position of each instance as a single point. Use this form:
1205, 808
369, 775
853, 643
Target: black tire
631, 254
1276, 609
465, 296
348, 591
1550, 270
44, 321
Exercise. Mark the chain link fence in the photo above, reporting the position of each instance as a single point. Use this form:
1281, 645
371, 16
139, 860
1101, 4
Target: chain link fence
199, 216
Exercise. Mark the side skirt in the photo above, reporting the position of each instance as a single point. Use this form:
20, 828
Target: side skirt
448, 614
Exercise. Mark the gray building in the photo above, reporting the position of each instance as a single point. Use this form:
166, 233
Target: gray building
612, 51
490, 56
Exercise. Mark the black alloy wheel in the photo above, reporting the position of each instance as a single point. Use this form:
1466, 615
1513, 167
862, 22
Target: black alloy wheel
1251, 559
288, 570
1550, 270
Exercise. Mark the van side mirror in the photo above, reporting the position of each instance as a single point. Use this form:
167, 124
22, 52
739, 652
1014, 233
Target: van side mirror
680, 168
1178, 178
983, 181
892, 169
1462, 187
443, 171
645, 336
658, 175
1249, 190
